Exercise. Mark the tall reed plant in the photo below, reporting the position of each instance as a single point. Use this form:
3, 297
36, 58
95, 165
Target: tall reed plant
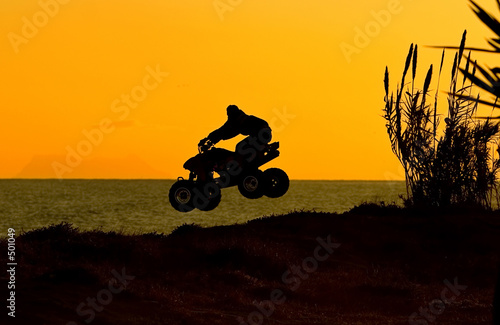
456, 167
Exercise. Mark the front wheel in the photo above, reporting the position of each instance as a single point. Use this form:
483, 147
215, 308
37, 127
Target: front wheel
212, 195
277, 182
252, 185
181, 195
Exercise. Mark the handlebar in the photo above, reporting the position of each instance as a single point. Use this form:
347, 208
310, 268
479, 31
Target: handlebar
204, 145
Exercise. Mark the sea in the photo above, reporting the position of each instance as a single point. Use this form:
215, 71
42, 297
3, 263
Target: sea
142, 206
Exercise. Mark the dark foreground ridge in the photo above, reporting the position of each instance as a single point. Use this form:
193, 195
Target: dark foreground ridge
372, 265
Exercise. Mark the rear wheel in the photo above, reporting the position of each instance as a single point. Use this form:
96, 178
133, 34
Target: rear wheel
277, 182
251, 185
181, 195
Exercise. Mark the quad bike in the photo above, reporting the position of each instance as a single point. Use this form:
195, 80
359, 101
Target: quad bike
239, 168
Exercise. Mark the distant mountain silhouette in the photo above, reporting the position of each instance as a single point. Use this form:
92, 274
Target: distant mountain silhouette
123, 168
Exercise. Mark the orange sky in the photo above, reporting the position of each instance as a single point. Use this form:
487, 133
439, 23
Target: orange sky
153, 77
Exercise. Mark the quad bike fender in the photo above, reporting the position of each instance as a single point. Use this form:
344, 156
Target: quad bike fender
193, 163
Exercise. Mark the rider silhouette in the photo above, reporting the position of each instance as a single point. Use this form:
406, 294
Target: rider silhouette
257, 130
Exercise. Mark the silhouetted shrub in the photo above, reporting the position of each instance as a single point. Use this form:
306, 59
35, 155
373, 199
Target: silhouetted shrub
185, 229
455, 168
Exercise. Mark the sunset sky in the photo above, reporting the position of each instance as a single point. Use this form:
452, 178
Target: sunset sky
142, 81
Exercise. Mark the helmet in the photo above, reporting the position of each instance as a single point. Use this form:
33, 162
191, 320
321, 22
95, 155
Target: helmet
232, 110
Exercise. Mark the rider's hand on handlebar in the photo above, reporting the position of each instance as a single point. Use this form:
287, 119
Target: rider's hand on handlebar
204, 145
202, 142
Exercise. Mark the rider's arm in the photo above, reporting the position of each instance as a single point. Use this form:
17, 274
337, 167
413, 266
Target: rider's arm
225, 132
